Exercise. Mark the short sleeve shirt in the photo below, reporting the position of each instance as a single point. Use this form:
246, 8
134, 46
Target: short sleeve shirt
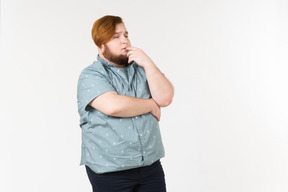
113, 143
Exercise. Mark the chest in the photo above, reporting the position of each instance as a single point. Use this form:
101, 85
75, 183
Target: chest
131, 83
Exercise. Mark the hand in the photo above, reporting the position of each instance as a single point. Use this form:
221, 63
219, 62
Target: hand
139, 56
156, 111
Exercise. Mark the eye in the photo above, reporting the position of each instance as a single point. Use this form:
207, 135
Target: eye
116, 36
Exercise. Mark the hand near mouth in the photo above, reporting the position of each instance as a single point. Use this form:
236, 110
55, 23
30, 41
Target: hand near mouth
139, 56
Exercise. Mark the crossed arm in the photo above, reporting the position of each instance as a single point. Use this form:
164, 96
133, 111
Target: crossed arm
112, 104
161, 89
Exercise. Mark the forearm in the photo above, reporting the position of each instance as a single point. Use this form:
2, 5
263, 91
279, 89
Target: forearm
116, 105
161, 89
126, 106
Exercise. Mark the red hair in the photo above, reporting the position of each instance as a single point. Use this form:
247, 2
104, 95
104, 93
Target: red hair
104, 28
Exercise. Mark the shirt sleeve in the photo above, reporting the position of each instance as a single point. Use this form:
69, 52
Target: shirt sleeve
91, 84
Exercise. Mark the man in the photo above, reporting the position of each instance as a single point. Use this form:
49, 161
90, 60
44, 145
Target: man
119, 99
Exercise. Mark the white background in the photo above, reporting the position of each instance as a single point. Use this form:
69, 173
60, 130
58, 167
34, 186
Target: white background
226, 129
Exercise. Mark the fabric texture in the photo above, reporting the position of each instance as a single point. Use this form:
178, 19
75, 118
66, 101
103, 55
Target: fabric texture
111, 143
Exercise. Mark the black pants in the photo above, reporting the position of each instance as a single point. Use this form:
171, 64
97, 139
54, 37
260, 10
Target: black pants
144, 179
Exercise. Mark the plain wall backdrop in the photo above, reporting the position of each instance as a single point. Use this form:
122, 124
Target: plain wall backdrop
226, 129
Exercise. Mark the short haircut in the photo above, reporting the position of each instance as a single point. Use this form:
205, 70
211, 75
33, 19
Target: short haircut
104, 28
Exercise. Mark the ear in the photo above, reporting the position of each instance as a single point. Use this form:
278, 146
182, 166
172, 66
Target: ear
101, 49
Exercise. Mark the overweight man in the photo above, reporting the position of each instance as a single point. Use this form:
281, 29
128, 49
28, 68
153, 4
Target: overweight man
119, 99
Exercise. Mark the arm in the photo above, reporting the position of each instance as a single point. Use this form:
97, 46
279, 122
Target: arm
112, 104
160, 87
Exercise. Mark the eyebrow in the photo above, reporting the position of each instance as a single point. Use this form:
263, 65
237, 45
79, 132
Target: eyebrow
126, 32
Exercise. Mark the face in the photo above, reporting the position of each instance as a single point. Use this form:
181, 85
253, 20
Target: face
115, 50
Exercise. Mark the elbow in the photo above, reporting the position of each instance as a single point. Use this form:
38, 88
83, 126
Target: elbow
166, 101
107, 103
168, 98
115, 109
112, 111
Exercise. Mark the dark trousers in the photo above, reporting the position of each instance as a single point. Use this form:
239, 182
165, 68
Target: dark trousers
144, 179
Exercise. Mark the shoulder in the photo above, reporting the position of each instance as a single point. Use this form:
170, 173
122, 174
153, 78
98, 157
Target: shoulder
96, 68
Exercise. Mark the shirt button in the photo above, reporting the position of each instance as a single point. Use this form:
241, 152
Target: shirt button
136, 117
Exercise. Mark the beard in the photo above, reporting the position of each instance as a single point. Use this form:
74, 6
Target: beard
117, 59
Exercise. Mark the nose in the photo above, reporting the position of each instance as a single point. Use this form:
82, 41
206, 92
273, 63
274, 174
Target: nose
124, 40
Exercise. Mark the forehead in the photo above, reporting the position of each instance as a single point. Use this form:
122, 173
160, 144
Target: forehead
120, 28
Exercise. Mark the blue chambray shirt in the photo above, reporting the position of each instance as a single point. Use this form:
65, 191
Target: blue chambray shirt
111, 143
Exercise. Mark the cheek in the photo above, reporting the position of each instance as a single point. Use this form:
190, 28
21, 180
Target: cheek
112, 48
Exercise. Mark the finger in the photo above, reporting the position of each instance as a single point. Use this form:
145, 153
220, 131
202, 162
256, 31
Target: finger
130, 59
129, 53
131, 48
157, 117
